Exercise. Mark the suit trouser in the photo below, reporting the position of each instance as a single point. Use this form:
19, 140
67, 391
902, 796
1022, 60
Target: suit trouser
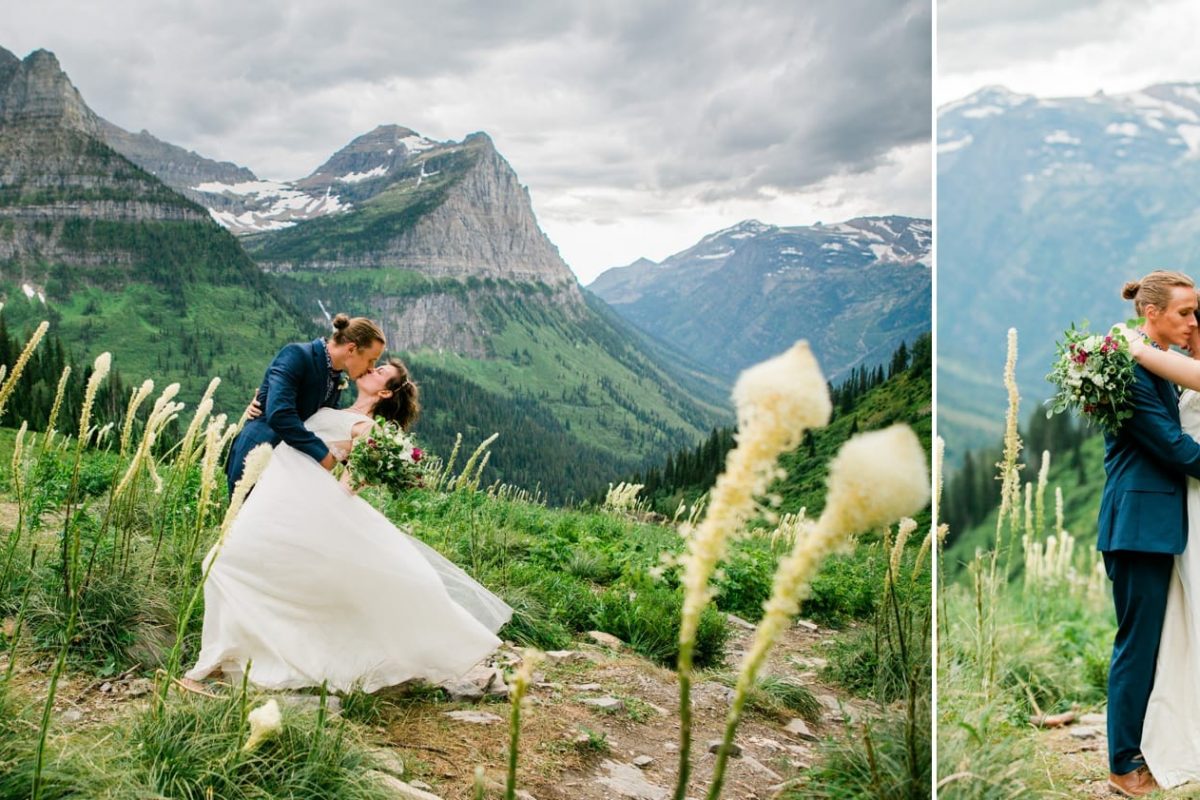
1140, 582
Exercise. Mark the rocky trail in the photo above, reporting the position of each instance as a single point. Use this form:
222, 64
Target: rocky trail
599, 723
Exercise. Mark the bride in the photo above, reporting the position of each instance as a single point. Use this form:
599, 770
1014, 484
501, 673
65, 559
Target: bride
1170, 740
313, 585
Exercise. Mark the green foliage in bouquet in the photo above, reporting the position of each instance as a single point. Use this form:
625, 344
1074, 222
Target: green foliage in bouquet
386, 457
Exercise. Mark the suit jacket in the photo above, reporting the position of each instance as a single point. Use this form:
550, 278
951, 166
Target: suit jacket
1144, 505
291, 392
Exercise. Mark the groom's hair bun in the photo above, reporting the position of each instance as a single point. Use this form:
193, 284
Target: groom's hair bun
359, 330
1154, 289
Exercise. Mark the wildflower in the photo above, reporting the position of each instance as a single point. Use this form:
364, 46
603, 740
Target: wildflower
100, 371
7, 389
135, 401
265, 721
58, 398
876, 478
777, 401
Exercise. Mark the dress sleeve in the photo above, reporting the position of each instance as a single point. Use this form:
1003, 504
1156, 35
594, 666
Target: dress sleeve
1158, 432
283, 377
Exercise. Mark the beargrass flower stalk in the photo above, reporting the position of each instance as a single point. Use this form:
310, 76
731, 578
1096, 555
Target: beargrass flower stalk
1029, 508
189, 444
136, 398
209, 462
1058, 509
18, 484
521, 680
926, 543
777, 401
1040, 500
903, 531
59, 393
265, 721
1010, 481
479, 472
6, 389
875, 478
464, 477
444, 476
256, 462
479, 785
70, 540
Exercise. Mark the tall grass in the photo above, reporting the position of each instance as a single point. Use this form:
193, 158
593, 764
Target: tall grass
1027, 632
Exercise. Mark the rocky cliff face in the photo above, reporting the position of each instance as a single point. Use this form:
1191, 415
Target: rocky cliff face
36, 91
56, 174
178, 168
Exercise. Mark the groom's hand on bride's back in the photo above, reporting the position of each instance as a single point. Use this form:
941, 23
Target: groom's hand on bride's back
254, 410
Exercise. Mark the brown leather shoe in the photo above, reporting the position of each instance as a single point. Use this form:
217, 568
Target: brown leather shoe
1133, 784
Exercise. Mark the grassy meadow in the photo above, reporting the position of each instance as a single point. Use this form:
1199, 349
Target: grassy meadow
101, 540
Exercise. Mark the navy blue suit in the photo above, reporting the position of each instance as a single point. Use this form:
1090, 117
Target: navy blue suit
1142, 527
295, 386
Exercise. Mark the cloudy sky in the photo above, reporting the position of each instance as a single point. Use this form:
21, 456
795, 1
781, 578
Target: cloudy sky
1060, 48
638, 125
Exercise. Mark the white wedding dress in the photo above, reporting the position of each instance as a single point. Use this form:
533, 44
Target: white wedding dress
1171, 732
314, 585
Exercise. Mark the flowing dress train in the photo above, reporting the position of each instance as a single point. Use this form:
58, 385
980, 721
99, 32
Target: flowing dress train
313, 585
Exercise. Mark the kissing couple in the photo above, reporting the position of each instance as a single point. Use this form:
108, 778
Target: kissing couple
1149, 535
311, 585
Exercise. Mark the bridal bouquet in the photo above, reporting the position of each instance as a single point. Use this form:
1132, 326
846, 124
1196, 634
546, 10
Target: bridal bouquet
1094, 376
388, 457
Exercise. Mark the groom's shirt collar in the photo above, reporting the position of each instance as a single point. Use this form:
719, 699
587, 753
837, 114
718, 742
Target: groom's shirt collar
333, 376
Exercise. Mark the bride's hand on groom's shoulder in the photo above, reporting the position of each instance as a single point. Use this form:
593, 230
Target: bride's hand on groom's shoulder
1132, 336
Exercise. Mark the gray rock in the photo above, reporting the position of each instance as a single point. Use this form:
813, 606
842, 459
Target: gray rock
556, 657
387, 760
738, 622
641, 762
400, 789
1083, 732
762, 768
474, 717
587, 687
605, 639
735, 750
71, 715
477, 684
605, 703
422, 785
799, 729
811, 627
626, 780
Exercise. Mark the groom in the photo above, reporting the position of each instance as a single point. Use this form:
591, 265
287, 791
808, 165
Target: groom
304, 377
1143, 523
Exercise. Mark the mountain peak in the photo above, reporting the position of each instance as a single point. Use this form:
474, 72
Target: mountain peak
37, 90
989, 100
369, 156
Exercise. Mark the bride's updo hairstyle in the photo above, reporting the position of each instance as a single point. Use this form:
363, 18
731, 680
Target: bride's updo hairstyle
403, 406
1154, 290
359, 331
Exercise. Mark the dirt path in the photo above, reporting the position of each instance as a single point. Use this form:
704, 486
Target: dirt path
570, 750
